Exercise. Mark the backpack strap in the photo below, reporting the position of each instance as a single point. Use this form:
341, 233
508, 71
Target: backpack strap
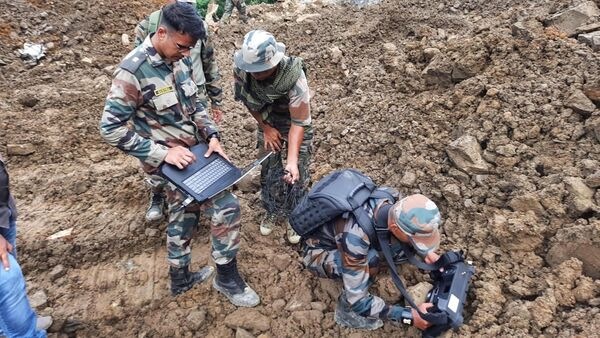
369, 226
434, 318
378, 233
153, 21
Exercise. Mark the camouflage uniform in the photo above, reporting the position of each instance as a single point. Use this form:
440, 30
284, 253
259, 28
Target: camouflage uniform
340, 249
160, 102
228, 10
277, 115
204, 65
205, 73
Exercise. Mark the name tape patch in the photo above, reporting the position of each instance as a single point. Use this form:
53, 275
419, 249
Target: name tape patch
163, 90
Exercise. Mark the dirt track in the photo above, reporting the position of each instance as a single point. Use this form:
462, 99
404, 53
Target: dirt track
395, 85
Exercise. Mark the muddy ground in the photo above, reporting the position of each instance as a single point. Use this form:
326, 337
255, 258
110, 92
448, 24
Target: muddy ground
438, 97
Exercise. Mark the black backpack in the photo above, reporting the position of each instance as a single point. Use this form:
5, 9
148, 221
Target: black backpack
340, 193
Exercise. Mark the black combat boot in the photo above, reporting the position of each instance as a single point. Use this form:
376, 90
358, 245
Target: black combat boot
345, 317
182, 279
229, 282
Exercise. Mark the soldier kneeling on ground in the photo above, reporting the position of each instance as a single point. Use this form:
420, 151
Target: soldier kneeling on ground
341, 249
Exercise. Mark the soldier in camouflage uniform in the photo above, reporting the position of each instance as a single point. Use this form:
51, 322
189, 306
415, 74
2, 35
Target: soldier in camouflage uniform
340, 249
206, 75
228, 10
153, 91
274, 88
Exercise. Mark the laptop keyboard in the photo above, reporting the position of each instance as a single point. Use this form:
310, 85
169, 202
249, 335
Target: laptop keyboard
208, 175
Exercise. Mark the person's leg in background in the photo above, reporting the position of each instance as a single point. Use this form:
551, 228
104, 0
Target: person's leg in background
17, 318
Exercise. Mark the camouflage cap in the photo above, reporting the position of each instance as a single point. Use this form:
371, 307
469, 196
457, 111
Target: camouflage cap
259, 52
419, 218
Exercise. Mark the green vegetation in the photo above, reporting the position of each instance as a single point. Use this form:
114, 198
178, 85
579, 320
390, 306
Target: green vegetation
203, 4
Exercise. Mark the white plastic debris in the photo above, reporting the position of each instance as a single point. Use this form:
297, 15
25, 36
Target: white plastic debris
32, 53
61, 234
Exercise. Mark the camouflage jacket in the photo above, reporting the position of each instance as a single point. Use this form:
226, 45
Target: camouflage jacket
8, 209
159, 100
204, 64
276, 97
353, 244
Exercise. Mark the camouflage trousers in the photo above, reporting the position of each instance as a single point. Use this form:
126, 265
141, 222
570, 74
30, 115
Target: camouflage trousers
328, 263
228, 9
223, 211
275, 193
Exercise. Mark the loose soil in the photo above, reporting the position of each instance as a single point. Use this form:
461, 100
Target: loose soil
396, 86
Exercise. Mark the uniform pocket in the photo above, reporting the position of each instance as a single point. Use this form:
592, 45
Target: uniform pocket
189, 88
165, 100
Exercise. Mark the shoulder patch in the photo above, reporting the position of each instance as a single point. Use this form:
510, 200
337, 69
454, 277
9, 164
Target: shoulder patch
134, 60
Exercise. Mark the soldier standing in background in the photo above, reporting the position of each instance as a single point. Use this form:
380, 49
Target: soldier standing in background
241, 7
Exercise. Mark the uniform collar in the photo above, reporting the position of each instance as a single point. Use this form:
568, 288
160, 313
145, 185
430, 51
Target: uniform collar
153, 57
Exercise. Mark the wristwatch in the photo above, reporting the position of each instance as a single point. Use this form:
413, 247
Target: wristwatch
407, 317
211, 136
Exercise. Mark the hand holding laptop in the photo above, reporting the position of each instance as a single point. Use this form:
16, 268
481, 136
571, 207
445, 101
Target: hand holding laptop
180, 156
215, 146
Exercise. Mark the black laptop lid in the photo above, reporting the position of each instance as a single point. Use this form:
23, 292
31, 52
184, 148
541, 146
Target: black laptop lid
193, 178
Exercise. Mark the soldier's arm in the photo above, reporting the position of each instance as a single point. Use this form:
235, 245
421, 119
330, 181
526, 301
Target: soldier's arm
122, 102
211, 72
300, 114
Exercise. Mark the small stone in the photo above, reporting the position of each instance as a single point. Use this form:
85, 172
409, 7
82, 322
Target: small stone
29, 101
38, 300
590, 39
281, 262
195, 319
336, 54
108, 70
318, 306
241, 333
451, 192
150, 232
20, 149
249, 319
308, 318
581, 104
465, 153
87, 60
278, 305
593, 181
125, 39
57, 272
409, 179
569, 20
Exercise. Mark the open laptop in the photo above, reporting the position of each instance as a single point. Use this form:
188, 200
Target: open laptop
207, 176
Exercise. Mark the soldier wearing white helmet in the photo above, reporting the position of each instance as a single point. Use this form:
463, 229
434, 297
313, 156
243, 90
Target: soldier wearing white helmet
274, 88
